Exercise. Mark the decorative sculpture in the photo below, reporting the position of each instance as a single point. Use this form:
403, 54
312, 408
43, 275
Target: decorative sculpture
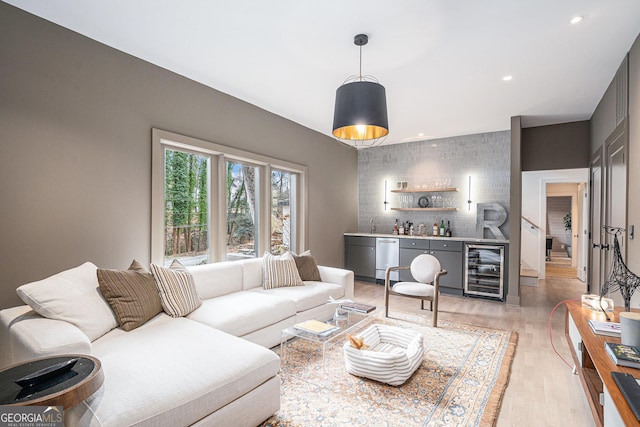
620, 278
493, 225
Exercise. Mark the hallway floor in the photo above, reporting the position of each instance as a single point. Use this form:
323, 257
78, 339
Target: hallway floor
560, 266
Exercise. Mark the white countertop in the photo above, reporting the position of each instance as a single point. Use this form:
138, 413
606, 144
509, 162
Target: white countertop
455, 238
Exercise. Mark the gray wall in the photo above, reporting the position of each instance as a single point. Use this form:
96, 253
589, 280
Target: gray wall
603, 123
75, 152
603, 119
633, 201
561, 146
485, 156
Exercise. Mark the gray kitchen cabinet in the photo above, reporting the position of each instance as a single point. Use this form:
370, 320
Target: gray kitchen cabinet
360, 256
409, 249
449, 253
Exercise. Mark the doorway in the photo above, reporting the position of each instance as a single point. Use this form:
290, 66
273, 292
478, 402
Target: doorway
539, 186
561, 259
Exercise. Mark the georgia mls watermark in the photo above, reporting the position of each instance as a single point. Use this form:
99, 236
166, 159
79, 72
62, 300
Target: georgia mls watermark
31, 416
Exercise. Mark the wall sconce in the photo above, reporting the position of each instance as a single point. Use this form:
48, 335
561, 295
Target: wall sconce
469, 199
386, 202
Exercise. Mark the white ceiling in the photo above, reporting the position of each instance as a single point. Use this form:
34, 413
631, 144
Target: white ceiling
442, 62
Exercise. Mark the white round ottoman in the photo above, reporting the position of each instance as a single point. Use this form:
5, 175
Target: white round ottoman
393, 355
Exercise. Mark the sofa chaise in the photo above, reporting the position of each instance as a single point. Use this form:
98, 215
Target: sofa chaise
212, 366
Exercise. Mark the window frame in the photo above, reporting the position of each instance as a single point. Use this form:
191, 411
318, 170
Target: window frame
219, 155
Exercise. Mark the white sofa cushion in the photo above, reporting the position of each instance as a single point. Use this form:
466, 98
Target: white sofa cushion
25, 335
241, 313
218, 278
414, 288
311, 295
72, 296
251, 273
171, 372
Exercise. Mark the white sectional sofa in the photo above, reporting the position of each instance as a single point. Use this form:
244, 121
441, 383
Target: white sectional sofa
211, 367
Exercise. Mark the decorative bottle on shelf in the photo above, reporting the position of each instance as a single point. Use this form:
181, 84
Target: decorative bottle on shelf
442, 228
435, 228
447, 232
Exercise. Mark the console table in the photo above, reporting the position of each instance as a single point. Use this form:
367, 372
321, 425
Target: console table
594, 366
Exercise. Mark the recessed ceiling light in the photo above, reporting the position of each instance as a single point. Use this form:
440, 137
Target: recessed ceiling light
576, 19
507, 78
421, 134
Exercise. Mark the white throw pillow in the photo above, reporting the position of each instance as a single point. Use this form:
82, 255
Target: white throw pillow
279, 271
72, 296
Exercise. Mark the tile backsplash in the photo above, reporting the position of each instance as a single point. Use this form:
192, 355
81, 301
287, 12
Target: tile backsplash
485, 157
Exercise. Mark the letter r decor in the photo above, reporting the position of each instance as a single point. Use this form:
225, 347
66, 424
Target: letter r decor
499, 214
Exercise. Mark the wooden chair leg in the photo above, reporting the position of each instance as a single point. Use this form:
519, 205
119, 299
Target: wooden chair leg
386, 296
435, 311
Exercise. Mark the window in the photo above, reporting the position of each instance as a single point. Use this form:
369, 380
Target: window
283, 211
214, 203
186, 212
241, 211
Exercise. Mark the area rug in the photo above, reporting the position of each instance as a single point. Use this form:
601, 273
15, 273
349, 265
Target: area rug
460, 383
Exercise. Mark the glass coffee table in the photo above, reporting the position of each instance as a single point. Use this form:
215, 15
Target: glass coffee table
347, 323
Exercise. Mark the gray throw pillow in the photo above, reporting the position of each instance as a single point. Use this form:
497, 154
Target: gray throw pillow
307, 267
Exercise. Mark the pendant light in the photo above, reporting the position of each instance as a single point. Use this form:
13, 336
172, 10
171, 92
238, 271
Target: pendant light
360, 115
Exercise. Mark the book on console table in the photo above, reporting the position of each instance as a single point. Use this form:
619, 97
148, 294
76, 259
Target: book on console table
611, 329
630, 389
316, 327
360, 308
623, 355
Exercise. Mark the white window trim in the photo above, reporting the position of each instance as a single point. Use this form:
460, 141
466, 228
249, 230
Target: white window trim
162, 139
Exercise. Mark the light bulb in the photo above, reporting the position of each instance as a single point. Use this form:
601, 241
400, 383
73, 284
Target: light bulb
361, 129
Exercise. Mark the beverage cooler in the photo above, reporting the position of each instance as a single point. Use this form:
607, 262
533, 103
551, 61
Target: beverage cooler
484, 271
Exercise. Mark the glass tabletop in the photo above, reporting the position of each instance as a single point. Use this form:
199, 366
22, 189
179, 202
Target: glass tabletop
345, 322
12, 394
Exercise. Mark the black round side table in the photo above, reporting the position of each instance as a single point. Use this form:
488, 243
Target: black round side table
66, 389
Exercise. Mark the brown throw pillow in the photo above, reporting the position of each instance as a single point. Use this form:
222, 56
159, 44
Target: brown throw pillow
132, 295
178, 293
307, 267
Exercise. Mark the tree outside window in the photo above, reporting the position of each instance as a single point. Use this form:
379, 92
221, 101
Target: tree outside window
241, 211
186, 207
282, 211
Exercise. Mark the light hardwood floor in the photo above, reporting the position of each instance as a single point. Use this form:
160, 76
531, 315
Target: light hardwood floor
542, 390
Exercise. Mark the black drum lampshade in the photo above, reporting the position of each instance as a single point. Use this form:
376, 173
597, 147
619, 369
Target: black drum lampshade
360, 112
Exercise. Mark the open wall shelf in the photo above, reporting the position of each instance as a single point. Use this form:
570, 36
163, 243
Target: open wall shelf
427, 190
424, 209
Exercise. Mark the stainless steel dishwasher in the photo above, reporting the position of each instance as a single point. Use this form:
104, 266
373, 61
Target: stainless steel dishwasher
387, 255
